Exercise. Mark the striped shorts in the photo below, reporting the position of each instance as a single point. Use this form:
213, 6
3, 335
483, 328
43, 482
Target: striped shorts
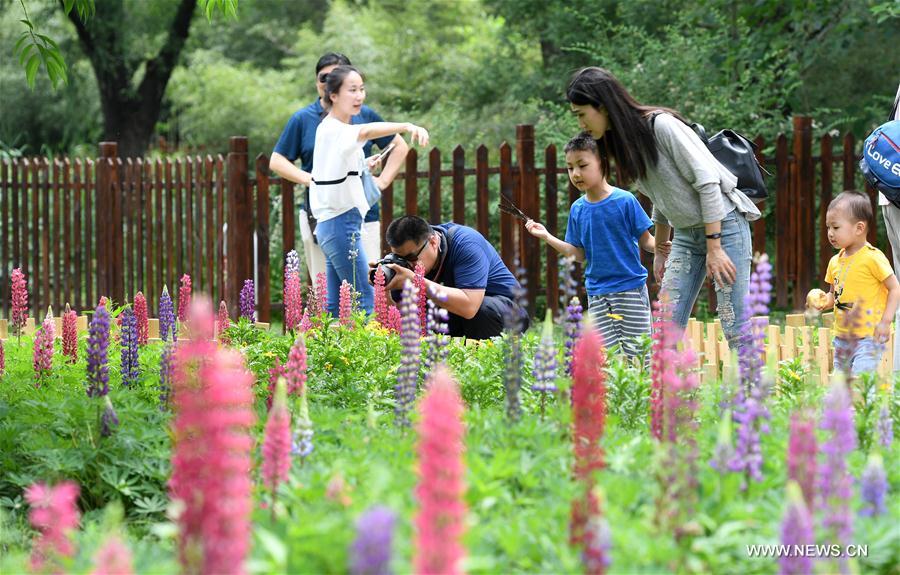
621, 318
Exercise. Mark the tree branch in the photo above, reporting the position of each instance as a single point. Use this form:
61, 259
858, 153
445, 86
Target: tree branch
159, 69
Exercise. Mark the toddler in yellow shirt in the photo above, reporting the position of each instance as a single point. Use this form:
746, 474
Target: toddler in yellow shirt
861, 280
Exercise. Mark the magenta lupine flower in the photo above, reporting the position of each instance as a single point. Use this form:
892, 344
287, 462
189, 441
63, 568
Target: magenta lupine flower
184, 298
276, 449
408, 372
109, 420
97, 353
885, 426
19, 292
801, 458
293, 302
664, 342
43, 349
114, 558
2, 358
166, 316
222, 323
573, 329
381, 303
835, 481
295, 370
370, 553
873, 486
321, 295
128, 338
142, 318
70, 335
394, 319
248, 301
54, 514
796, 530
440, 492
419, 283
211, 457
345, 306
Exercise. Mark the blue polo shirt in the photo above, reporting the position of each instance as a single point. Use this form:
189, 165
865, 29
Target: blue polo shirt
299, 139
608, 232
473, 263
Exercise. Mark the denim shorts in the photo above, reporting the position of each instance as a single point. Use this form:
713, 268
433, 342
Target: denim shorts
862, 355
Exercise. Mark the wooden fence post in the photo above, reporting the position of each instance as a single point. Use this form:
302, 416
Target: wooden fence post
240, 221
806, 216
107, 226
262, 238
551, 219
783, 244
529, 251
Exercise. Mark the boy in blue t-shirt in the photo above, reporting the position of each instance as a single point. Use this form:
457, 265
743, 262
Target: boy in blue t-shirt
606, 228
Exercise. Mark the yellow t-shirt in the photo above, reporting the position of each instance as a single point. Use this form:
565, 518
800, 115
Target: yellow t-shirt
859, 280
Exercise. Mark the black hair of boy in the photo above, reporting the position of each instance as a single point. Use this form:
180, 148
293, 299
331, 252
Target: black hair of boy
854, 204
583, 142
332, 59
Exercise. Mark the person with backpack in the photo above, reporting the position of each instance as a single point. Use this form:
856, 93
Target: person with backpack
692, 193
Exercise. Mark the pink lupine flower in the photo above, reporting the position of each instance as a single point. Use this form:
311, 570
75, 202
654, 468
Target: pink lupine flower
19, 291
381, 296
276, 447
321, 295
2, 358
295, 370
588, 403
43, 349
440, 519
213, 405
801, 457
305, 323
200, 319
54, 514
184, 298
293, 301
345, 307
70, 335
114, 558
104, 301
222, 323
141, 315
394, 319
419, 284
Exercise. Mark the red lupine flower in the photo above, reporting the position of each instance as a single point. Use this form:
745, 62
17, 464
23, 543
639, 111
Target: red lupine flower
277, 442
223, 322
70, 335
295, 371
588, 403
213, 405
345, 307
19, 291
440, 520
53, 514
419, 284
43, 349
293, 301
141, 315
114, 558
184, 298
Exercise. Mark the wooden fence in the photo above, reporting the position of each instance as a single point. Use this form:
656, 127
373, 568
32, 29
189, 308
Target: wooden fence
85, 227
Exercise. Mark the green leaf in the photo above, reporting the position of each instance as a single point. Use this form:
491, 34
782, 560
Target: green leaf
31, 69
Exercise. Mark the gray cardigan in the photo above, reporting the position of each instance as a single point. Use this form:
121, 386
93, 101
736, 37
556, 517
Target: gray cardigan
688, 186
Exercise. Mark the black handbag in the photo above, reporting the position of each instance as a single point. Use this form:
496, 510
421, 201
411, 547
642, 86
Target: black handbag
738, 155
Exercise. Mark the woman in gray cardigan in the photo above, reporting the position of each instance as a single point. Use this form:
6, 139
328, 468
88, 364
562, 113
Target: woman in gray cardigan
692, 193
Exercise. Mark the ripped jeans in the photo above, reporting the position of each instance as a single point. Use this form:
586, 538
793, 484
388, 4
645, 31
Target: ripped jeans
686, 272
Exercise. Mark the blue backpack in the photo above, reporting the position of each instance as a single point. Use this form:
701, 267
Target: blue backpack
880, 163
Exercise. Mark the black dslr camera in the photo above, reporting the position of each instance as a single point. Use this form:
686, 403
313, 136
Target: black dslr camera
389, 273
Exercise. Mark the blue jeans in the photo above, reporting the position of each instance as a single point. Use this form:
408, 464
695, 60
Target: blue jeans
864, 357
686, 272
340, 240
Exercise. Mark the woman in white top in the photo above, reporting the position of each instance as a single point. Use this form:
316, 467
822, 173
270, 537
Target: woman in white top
337, 198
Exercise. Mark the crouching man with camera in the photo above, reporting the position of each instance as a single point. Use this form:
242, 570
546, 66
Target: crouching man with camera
475, 286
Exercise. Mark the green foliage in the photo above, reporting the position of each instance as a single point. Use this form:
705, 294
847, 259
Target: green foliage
227, 7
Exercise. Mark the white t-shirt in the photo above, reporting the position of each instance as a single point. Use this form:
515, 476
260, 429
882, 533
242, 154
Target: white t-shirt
882, 200
338, 161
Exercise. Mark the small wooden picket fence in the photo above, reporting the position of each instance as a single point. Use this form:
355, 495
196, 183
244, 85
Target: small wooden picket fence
793, 340
81, 325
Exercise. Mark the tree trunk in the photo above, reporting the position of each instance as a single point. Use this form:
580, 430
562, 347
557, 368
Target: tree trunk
130, 112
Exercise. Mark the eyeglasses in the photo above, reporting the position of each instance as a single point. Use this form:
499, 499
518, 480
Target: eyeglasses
322, 77
415, 257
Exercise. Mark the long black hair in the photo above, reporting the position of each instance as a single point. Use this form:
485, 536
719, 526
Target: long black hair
335, 80
629, 140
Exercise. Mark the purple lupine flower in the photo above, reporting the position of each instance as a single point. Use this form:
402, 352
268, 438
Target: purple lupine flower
801, 458
371, 550
835, 481
248, 300
408, 373
723, 452
166, 372
574, 313
544, 368
437, 339
796, 530
750, 415
109, 420
292, 261
97, 353
166, 316
760, 294
568, 284
301, 444
885, 427
129, 340
873, 486
514, 322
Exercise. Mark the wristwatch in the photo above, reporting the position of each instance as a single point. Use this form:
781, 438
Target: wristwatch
714, 236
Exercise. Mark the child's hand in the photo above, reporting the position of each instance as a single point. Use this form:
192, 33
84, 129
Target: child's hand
537, 230
664, 249
882, 331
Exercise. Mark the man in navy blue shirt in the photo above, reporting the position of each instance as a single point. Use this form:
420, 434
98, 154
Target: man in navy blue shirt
298, 141
463, 274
